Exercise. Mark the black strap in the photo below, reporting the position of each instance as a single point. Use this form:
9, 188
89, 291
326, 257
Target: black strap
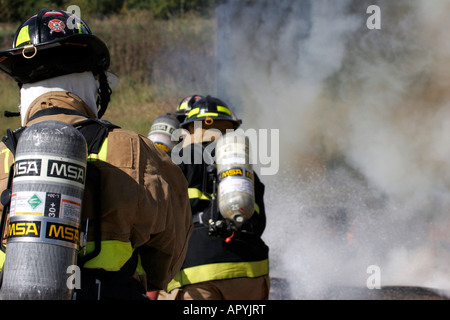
54, 111
93, 174
95, 132
11, 138
104, 93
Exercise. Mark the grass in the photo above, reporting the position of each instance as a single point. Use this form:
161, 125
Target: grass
159, 62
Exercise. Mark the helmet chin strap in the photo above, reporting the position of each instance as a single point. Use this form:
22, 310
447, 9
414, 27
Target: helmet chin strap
104, 94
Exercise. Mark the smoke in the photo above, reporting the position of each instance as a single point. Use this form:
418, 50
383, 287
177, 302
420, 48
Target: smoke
363, 118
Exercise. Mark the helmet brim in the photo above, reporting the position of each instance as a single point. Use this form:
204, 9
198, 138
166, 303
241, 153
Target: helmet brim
87, 52
236, 123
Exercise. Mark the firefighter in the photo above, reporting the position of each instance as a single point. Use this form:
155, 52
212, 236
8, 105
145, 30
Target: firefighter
219, 265
137, 212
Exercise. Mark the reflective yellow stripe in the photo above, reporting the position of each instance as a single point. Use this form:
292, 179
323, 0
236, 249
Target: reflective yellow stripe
113, 255
208, 114
196, 111
195, 193
2, 259
257, 210
101, 154
183, 106
24, 36
224, 110
7, 152
219, 271
193, 112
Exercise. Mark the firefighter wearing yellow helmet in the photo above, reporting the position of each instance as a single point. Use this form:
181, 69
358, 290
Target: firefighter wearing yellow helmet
226, 260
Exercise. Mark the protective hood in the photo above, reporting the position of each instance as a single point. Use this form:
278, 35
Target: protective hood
83, 85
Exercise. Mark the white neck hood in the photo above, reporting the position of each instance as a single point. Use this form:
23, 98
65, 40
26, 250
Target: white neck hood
83, 85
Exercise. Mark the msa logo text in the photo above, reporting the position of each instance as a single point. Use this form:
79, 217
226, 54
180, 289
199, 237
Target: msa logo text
232, 172
24, 229
65, 170
62, 232
24, 168
236, 172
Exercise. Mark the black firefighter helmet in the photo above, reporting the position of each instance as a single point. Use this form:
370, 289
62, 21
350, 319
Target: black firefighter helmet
211, 108
54, 43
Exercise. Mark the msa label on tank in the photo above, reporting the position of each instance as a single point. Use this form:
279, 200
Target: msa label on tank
27, 168
62, 232
44, 230
50, 168
45, 204
66, 170
232, 172
236, 172
24, 229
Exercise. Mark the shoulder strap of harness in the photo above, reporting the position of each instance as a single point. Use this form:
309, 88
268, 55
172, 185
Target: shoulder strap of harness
54, 111
95, 132
11, 138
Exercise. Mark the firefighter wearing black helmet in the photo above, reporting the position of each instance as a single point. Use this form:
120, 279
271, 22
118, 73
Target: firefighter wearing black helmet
185, 106
219, 264
135, 209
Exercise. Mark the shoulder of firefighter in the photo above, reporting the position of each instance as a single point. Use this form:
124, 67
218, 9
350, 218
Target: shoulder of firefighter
144, 200
212, 257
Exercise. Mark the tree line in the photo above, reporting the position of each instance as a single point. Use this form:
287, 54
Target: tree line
20, 10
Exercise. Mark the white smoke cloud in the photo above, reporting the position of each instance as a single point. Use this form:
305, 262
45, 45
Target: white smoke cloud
364, 117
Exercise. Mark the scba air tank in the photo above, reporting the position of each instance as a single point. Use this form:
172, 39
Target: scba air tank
45, 212
161, 132
236, 194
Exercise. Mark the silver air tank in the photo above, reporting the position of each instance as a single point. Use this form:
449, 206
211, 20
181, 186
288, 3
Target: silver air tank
161, 132
45, 212
236, 195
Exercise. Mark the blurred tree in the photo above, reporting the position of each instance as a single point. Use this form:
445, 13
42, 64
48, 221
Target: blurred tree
18, 10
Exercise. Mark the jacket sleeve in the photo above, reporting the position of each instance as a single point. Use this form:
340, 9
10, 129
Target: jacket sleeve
6, 159
164, 191
257, 223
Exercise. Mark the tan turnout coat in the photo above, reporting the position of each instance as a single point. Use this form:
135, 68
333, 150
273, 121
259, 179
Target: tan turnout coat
144, 197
